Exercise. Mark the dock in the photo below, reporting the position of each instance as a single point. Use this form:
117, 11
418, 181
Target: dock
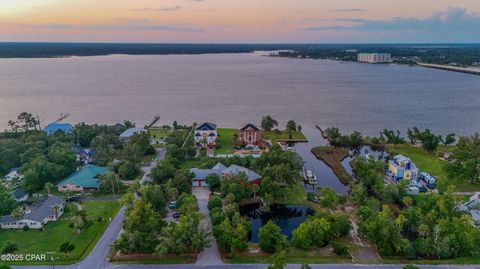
467, 70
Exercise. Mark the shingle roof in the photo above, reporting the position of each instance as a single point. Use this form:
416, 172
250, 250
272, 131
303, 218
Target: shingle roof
206, 126
44, 208
249, 125
18, 194
87, 177
220, 169
39, 211
129, 132
56, 127
235, 170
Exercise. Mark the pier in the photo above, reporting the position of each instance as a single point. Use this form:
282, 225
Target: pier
468, 70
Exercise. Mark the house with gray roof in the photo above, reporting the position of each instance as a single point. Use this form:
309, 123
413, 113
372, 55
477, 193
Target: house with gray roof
200, 175
131, 132
36, 215
19, 195
472, 207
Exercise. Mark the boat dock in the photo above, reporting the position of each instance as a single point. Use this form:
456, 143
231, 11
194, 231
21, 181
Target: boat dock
468, 70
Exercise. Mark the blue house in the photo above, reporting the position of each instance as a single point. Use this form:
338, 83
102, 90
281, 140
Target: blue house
58, 127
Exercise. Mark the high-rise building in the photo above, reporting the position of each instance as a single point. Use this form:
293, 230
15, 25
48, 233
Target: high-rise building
374, 57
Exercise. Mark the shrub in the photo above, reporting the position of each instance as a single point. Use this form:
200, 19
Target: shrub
67, 247
214, 202
340, 249
271, 239
10, 247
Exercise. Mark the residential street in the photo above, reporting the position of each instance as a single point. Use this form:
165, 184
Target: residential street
208, 259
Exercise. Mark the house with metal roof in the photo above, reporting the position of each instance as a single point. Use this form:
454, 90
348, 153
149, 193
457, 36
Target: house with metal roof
131, 132
58, 127
206, 134
36, 215
87, 178
200, 175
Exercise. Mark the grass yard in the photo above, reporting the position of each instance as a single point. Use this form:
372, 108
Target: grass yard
225, 140
294, 255
333, 156
428, 162
56, 233
296, 136
159, 133
296, 195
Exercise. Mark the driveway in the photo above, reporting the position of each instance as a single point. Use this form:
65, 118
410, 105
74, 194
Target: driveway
210, 255
146, 169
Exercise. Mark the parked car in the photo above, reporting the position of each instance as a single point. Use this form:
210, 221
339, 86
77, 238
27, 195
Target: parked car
176, 215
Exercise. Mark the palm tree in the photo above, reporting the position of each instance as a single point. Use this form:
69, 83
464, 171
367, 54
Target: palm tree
56, 209
48, 187
18, 213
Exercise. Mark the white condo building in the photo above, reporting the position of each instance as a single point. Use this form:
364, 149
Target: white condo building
374, 57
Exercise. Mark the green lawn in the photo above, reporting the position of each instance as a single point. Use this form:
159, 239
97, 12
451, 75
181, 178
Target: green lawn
56, 233
294, 255
225, 140
159, 133
296, 136
430, 163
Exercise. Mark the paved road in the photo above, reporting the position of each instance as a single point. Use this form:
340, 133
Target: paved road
208, 259
146, 169
210, 255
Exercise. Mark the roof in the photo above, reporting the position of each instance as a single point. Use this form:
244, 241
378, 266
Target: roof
219, 166
235, 170
87, 177
206, 126
39, 211
19, 193
203, 173
220, 170
14, 170
56, 127
249, 125
132, 131
42, 210
475, 215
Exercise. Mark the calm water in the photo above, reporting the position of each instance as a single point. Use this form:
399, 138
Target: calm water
287, 217
231, 89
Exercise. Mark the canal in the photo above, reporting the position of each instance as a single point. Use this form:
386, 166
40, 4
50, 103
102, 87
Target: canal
325, 175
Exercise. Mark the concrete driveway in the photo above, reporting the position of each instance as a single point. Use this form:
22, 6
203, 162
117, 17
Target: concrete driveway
210, 255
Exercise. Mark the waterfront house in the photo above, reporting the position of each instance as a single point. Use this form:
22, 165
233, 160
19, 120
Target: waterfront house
13, 174
200, 175
249, 135
206, 134
401, 167
131, 132
36, 215
52, 128
87, 178
19, 195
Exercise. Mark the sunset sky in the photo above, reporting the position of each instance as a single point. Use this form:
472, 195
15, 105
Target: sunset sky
242, 21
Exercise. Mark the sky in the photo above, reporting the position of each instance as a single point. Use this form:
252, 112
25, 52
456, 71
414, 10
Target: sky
241, 21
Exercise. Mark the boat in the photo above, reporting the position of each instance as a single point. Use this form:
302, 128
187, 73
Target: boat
309, 177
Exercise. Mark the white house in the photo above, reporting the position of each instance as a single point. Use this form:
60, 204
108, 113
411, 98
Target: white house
472, 206
14, 174
206, 132
19, 195
130, 132
37, 215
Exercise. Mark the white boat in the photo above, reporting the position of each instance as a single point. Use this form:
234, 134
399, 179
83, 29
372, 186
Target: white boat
309, 177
